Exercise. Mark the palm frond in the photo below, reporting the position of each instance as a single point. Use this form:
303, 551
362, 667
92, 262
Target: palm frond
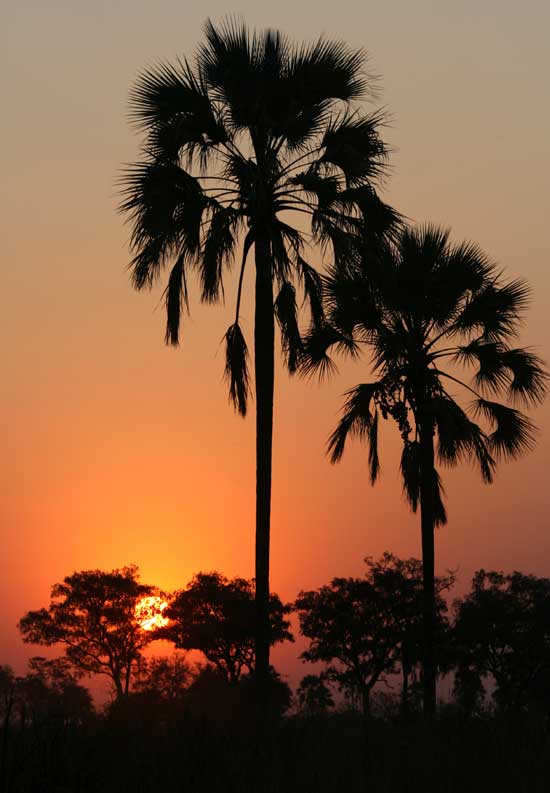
459, 438
324, 189
380, 219
492, 374
374, 461
236, 367
495, 310
358, 419
440, 513
176, 296
456, 273
351, 298
218, 250
229, 63
166, 94
340, 234
410, 473
286, 245
329, 70
313, 290
286, 313
164, 205
529, 377
513, 434
353, 144
315, 358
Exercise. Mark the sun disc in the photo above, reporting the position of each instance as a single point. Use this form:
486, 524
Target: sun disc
149, 613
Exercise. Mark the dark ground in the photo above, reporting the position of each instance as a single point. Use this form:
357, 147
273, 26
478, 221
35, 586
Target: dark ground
336, 754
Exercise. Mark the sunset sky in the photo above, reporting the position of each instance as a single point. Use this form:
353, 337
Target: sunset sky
117, 449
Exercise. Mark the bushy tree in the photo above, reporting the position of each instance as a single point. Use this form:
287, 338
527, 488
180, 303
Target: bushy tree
502, 629
51, 693
399, 581
314, 695
350, 628
164, 678
92, 614
216, 615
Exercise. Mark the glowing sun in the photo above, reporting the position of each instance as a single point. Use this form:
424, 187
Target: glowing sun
149, 613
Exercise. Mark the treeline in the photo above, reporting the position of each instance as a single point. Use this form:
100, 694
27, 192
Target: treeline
174, 726
363, 633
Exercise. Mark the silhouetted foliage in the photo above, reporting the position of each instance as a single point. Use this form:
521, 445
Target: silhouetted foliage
50, 693
213, 698
190, 729
314, 696
93, 614
399, 581
502, 629
350, 627
254, 131
426, 308
373, 626
164, 678
216, 615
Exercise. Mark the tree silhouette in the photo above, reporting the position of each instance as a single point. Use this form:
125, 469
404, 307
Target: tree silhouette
164, 678
502, 629
421, 305
93, 614
350, 627
254, 132
400, 581
215, 615
50, 692
314, 695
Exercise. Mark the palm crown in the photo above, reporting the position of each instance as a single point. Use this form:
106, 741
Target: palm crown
439, 318
254, 130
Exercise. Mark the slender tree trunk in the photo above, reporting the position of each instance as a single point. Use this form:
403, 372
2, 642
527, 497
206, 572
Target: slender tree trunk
405, 687
264, 369
365, 702
118, 687
428, 566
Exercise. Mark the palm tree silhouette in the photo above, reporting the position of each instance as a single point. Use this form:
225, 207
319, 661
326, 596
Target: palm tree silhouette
254, 132
429, 310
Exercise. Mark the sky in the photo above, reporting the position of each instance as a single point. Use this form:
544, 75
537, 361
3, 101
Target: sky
117, 449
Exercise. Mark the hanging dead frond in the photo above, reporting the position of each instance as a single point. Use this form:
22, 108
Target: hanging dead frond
236, 368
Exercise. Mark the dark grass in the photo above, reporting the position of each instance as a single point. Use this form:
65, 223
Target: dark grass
336, 754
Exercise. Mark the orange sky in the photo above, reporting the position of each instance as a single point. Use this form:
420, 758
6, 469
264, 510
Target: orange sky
116, 449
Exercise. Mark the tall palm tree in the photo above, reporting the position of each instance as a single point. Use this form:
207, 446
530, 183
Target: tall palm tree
251, 134
429, 311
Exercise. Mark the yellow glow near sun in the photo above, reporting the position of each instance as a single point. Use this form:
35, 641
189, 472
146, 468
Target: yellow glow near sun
149, 613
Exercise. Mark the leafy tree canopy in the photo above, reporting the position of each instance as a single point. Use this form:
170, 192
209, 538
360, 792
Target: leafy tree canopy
93, 614
502, 629
216, 615
314, 695
349, 627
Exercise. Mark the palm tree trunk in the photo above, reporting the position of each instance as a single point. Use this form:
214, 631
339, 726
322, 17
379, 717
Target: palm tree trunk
428, 566
264, 370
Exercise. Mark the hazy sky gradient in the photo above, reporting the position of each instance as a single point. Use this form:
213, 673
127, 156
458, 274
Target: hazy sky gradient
116, 449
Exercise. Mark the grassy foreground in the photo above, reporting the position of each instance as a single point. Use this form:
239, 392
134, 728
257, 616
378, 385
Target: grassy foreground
335, 754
